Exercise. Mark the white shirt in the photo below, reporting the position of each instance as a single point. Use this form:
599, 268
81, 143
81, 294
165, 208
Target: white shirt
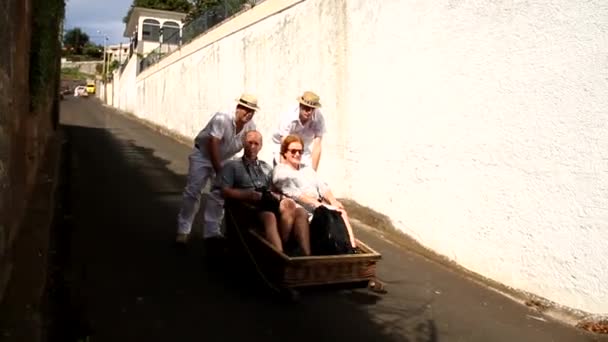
222, 126
295, 183
290, 124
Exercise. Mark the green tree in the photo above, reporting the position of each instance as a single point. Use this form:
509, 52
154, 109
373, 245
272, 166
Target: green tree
168, 5
92, 50
220, 9
113, 66
74, 40
202, 6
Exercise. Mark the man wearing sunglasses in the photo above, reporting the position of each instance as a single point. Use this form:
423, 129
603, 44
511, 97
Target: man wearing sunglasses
219, 141
306, 121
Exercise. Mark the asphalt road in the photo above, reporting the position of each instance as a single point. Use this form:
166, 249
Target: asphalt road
125, 281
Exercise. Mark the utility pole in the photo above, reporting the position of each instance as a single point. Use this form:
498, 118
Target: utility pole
105, 59
104, 75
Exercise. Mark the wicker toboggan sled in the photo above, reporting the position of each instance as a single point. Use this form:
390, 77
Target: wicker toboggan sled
290, 273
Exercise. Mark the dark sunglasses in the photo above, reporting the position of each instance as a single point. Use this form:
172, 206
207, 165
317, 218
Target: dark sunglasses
294, 151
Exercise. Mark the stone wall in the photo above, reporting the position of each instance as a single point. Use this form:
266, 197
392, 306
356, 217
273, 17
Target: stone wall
88, 67
28, 108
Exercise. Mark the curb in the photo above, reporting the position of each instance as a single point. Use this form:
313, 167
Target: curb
370, 220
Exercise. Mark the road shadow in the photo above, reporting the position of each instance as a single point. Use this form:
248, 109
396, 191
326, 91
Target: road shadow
119, 277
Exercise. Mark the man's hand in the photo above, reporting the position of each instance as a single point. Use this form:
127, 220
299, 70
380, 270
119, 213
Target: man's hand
309, 200
255, 196
276, 195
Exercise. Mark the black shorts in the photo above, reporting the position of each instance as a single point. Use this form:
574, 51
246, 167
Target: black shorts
269, 203
247, 210
245, 216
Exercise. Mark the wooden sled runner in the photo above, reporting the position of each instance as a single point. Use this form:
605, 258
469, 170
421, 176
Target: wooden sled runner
288, 273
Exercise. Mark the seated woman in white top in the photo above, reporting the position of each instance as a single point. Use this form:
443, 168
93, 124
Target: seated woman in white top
303, 184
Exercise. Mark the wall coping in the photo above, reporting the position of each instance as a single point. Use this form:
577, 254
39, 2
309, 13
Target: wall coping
232, 25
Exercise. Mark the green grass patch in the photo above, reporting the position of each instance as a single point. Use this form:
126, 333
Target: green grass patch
74, 74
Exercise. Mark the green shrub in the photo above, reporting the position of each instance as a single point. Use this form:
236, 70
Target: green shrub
45, 51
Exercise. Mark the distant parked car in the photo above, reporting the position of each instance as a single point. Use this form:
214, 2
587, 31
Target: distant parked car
91, 88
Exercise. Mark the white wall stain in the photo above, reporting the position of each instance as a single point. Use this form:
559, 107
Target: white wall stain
480, 129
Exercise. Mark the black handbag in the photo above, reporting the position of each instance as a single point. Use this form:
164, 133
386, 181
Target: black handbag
269, 202
328, 233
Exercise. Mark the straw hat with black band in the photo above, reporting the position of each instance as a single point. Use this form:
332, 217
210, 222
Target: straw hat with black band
249, 101
310, 99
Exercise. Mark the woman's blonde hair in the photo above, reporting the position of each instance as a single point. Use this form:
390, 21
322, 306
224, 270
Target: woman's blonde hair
288, 140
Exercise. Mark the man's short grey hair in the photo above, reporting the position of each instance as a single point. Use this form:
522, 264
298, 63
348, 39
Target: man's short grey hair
250, 132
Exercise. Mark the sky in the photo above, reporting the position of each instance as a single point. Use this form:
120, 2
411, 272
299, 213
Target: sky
93, 15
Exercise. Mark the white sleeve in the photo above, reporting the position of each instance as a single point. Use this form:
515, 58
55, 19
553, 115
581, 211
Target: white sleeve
218, 125
321, 186
283, 181
319, 127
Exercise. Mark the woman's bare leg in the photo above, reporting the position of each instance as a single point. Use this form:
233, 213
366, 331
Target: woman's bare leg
302, 230
270, 229
287, 209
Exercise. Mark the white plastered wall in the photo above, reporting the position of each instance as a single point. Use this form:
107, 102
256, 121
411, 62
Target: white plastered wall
125, 89
479, 128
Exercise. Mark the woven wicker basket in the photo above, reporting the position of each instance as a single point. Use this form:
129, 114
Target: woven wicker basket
292, 272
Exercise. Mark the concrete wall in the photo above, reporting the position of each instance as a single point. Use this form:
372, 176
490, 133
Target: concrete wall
478, 128
497, 143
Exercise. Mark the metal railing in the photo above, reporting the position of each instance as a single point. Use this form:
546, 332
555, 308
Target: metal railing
210, 17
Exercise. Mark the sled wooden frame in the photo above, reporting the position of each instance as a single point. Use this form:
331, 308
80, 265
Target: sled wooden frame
288, 272
291, 274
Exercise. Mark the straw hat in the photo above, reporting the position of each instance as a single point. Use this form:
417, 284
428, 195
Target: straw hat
249, 101
310, 99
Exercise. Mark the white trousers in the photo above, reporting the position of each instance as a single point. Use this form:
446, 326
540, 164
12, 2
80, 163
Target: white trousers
199, 172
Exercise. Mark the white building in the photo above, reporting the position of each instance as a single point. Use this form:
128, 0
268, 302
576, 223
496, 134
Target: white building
118, 52
148, 28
